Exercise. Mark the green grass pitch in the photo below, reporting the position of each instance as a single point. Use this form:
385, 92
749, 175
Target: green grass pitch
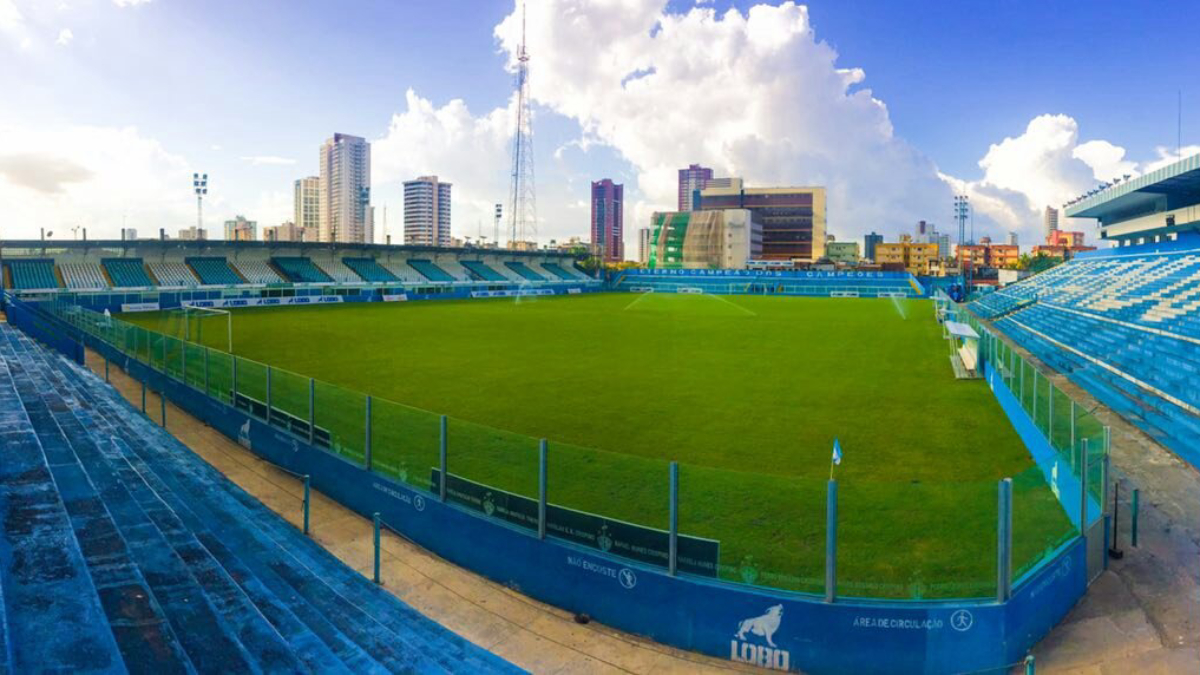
746, 392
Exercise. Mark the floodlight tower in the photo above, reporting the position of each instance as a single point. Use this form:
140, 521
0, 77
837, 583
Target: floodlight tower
962, 207
496, 225
523, 202
200, 185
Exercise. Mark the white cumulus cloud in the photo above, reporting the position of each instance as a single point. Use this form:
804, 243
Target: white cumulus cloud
60, 177
64, 37
268, 160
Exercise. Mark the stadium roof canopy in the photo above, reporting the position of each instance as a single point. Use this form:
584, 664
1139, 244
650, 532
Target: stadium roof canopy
1156, 204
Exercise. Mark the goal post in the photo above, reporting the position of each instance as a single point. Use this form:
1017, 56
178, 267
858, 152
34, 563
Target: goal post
189, 323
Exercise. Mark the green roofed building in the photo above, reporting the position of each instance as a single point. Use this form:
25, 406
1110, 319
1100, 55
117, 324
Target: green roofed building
719, 239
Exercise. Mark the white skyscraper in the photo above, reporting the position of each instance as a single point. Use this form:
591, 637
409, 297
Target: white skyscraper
344, 193
427, 212
306, 203
1050, 220
644, 245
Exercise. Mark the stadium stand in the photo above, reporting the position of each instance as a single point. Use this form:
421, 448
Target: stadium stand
430, 271
83, 276
151, 561
300, 270
1125, 326
369, 270
127, 273
257, 272
173, 274
339, 272
33, 274
451, 266
736, 281
556, 270
1003, 301
523, 270
403, 272
214, 271
481, 271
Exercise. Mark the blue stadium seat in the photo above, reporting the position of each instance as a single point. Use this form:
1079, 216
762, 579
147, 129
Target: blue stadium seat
1124, 325
370, 270
559, 272
523, 270
482, 271
214, 271
127, 272
430, 271
160, 564
300, 270
33, 274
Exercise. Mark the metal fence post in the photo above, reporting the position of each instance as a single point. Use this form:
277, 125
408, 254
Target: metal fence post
542, 489
268, 394
444, 461
1050, 415
143, 394
1083, 476
312, 410
1022, 384
831, 541
183, 360
307, 494
106, 368
376, 518
1004, 541
367, 440
673, 539
162, 401
1072, 430
206, 371
1133, 520
233, 375
1034, 407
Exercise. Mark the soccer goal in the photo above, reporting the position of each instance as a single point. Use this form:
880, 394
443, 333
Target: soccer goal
191, 323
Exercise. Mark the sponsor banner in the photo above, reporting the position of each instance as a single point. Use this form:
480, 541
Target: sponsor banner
574, 291
691, 290
525, 292
645, 544
799, 274
395, 298
140, 307
226, 303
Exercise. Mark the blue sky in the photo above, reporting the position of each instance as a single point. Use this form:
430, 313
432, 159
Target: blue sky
248, 90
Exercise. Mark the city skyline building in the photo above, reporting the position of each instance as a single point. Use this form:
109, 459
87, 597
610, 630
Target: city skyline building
345, 191
427, 212
1050, 220
693, 178
306, 203
870, 241
643, 245
608, 221
792, 218
241, 229
193, 233
287, 231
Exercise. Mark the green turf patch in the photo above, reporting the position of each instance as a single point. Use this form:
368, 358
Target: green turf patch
746, 392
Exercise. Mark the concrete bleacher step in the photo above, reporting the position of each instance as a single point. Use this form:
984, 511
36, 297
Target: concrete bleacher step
374, 619
218, 628
54, 621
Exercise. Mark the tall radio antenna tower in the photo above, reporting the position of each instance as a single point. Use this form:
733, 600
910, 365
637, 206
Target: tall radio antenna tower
522, 214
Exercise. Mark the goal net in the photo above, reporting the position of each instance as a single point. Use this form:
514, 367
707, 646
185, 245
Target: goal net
202, 325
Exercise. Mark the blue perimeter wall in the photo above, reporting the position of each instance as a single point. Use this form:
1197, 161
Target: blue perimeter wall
691, 613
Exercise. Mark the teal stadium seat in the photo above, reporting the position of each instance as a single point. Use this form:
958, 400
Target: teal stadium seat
31, 275
214, 271
482, 271
523, 270
430, 271
300, 270
127, 272
370, 270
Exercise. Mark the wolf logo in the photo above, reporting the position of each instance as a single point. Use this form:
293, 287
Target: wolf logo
763, 626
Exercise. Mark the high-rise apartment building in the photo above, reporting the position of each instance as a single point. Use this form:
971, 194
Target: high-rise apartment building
240, 229
287, 231
792, 218
1050, 220
1013, 240
869, 243
608, 203
427, 212
693, 178
306, 204
344, 192
644, 245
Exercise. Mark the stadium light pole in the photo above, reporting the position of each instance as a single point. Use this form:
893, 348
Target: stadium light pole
200, 185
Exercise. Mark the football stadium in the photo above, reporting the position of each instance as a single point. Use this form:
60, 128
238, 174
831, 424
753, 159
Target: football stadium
686, 455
